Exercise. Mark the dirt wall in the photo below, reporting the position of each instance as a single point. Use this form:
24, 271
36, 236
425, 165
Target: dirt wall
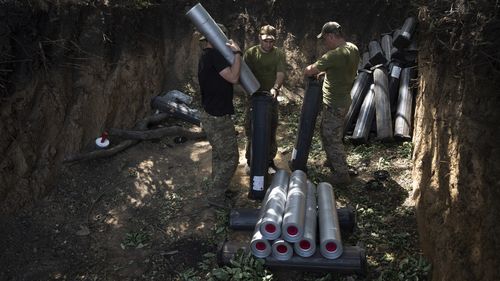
456, 140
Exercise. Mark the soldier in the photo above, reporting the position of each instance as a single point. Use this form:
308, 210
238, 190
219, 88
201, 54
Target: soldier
216, 77
339, 64
267, 63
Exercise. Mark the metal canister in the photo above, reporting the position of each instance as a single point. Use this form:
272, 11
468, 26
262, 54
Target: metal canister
330, 245
295, 207
260, 246
306, 247
282, 250
207, 26
270, 228
402, 126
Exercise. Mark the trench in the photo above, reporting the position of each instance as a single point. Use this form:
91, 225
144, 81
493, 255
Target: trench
68, 71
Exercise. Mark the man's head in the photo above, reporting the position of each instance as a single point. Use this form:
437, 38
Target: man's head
221, 26
330, 27
332, 34
267, 37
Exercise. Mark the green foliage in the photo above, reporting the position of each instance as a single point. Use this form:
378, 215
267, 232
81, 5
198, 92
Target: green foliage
243, 267
137, 239
409, 268
364, 151
222, 223
405, 150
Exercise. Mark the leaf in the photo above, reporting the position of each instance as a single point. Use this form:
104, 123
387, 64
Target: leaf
220, 274
84, 231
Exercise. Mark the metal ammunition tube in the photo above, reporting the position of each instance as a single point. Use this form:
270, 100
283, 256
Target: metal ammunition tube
307, 122
386, 45
306, 247
382, 105
402, 125
295, 207
260, 246
259, 156
270, 228
365, 118
207, 26
403, 38
376, 54
282, 250
352, 261
358, 92
330, 245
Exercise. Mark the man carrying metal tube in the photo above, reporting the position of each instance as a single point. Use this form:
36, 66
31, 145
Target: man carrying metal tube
267, 62
216, 78
339, 64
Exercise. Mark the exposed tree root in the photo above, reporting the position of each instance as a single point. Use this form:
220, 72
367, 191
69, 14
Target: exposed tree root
132, 137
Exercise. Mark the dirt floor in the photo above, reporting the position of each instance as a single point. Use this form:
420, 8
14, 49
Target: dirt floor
142, 214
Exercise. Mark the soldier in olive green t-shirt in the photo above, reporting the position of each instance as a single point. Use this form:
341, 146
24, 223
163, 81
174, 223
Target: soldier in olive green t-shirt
267, 62
339, 65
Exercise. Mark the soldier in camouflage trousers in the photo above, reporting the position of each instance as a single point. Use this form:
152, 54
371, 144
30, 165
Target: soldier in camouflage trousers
332, 122
216, 77
222, 136
339, 65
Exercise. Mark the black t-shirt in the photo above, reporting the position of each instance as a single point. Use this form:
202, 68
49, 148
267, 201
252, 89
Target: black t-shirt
216, 92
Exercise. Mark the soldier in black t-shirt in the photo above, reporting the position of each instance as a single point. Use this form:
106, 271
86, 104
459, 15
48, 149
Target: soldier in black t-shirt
216, 77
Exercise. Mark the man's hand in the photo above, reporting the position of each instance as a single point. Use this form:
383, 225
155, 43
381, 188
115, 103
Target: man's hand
233, 45
274, 93
320, 76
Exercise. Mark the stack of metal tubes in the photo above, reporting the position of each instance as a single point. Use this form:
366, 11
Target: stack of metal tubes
382, 93
298, 226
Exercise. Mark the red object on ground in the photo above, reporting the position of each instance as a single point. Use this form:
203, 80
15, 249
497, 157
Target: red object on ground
104, 136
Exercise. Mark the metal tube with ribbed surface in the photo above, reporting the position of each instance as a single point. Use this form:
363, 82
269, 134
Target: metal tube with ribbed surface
207, 26
295, 208
274, 207
306, 246
330, 242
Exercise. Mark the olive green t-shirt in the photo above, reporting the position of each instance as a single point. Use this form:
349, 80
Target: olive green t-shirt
265, 65
340, 65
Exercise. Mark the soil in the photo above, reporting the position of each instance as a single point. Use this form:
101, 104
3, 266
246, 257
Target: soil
142, 214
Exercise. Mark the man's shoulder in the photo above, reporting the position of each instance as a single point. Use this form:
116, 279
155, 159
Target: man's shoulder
352, 46
252, 50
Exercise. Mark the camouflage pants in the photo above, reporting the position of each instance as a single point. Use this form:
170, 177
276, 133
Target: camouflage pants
332, 122
222, 137
273, 146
